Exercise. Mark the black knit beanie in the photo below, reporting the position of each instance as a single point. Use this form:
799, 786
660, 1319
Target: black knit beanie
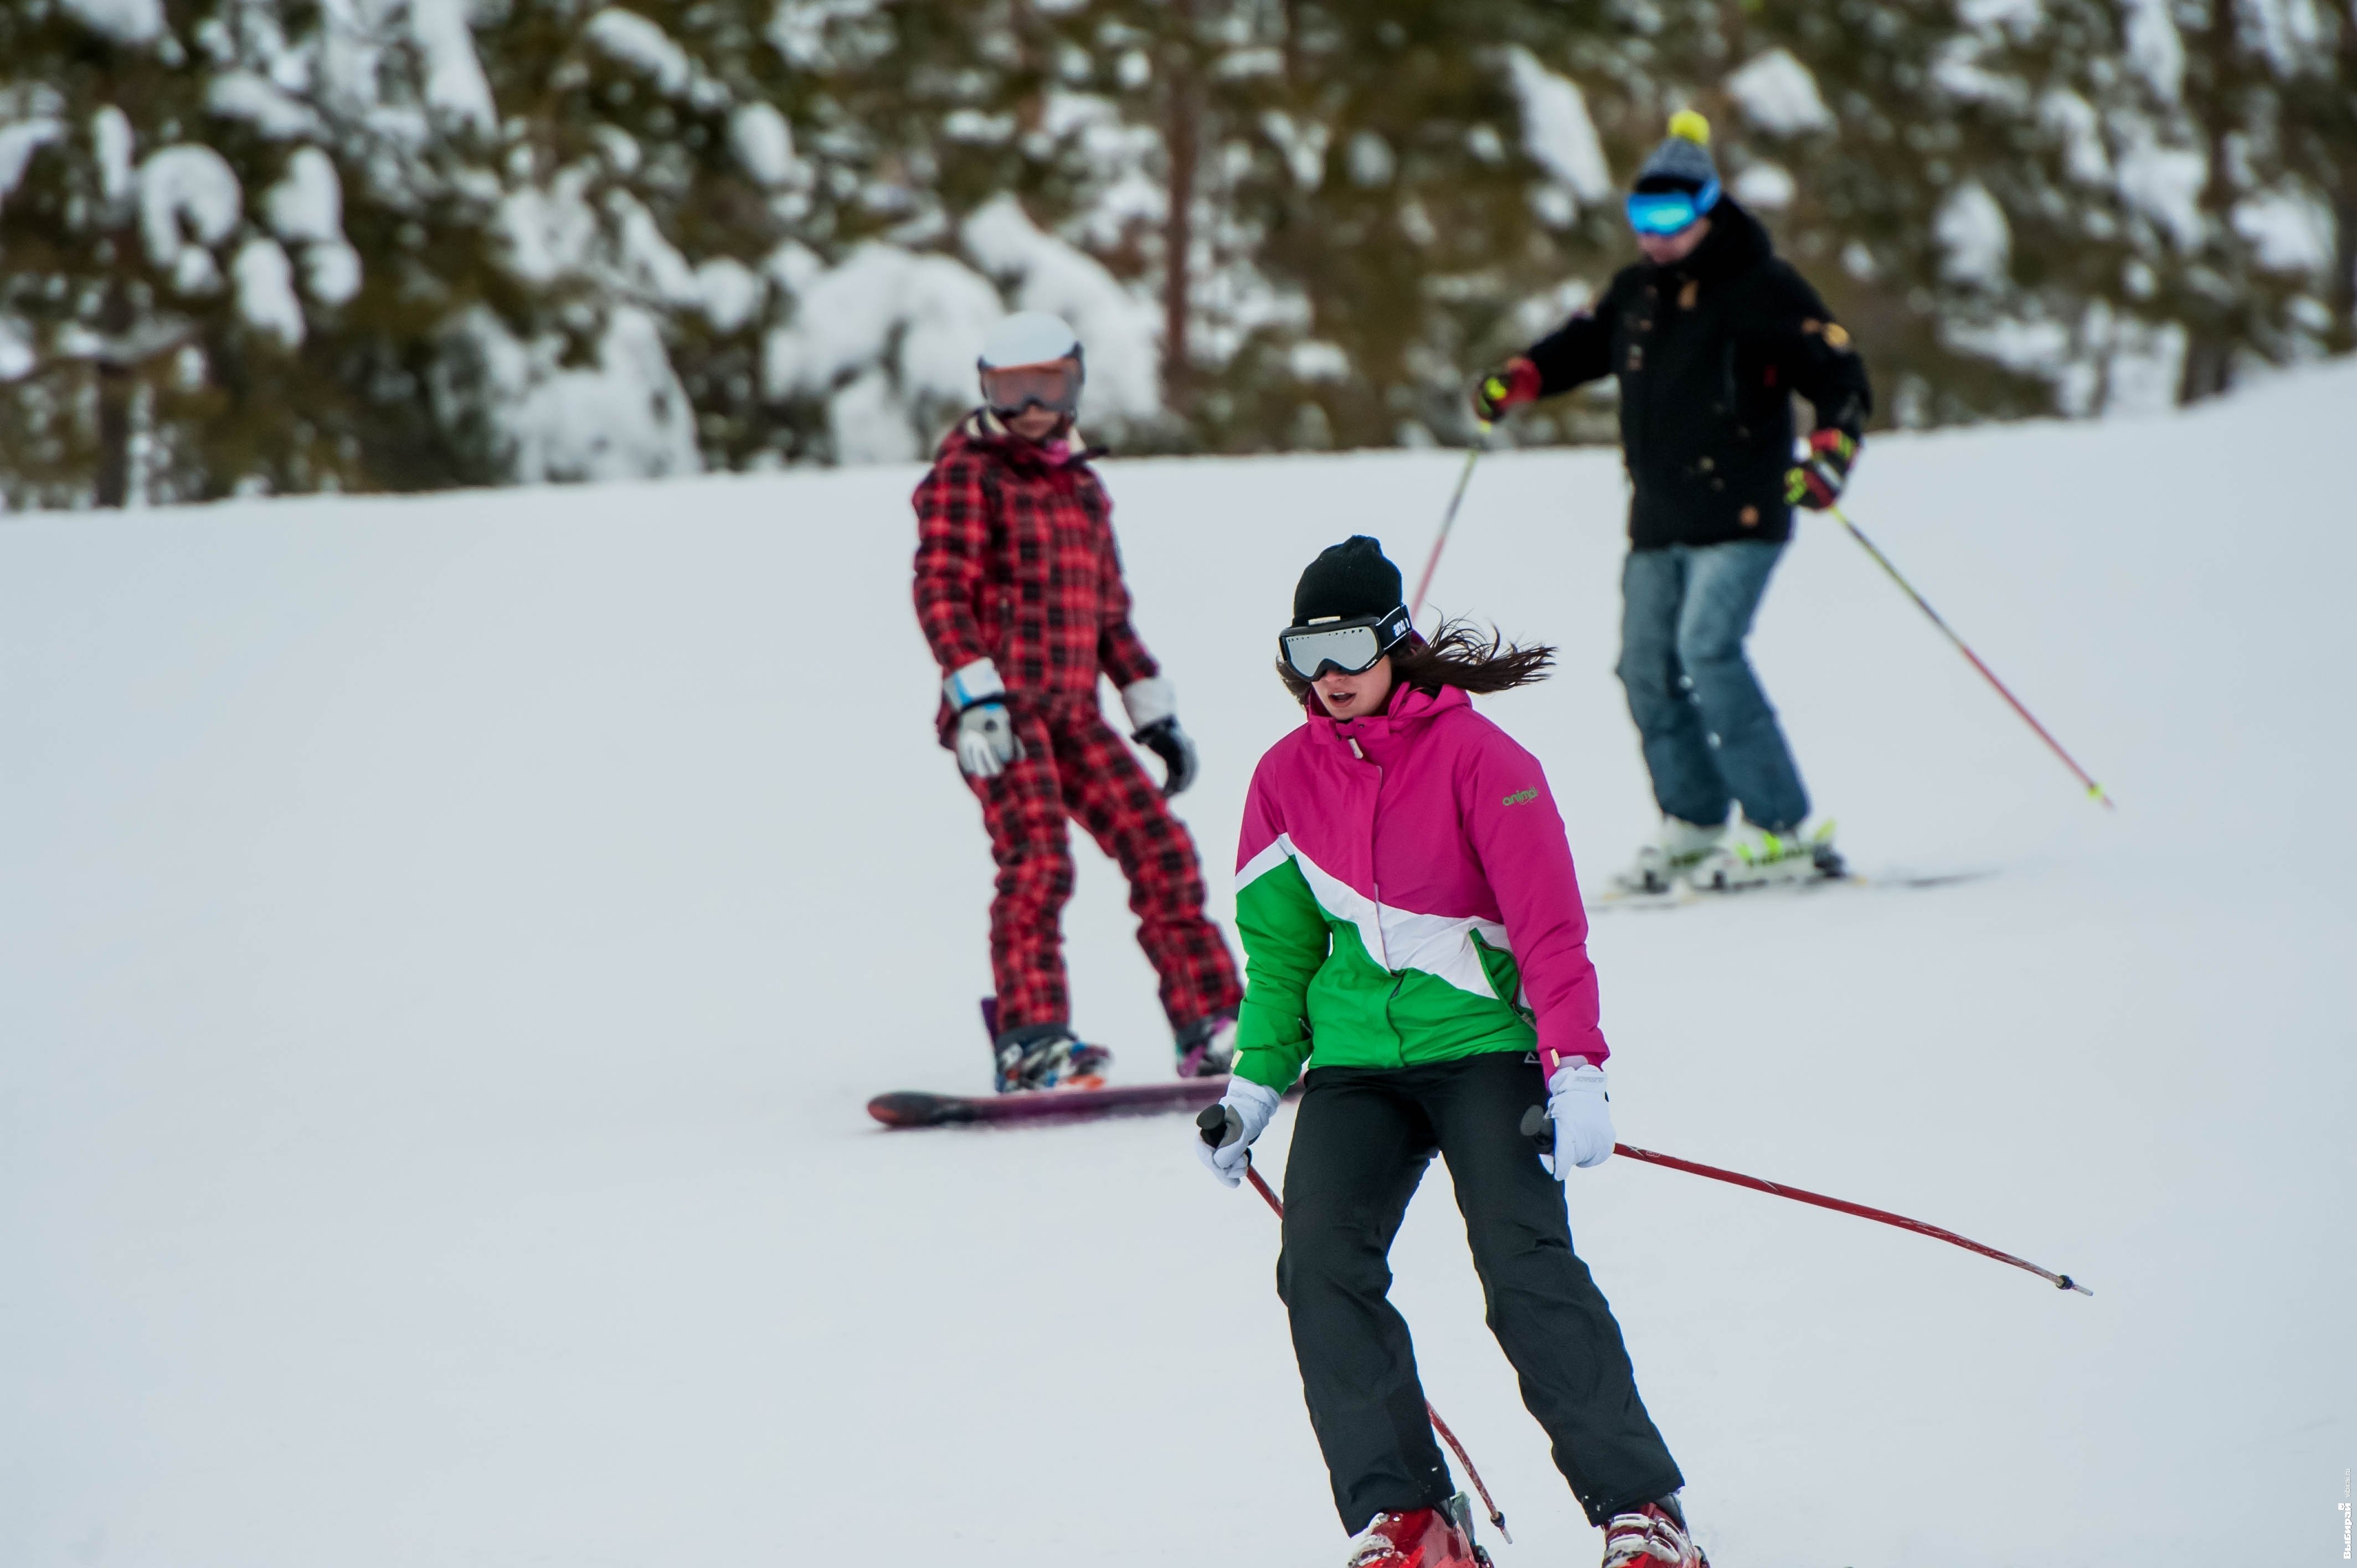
1347, 580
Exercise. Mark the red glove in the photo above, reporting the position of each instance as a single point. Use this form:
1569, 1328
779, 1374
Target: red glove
1816, 482
1510, 385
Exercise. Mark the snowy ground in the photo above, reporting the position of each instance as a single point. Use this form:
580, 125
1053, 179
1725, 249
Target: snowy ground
447, 944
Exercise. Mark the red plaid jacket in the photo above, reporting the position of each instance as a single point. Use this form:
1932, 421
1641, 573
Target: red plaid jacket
1016, 564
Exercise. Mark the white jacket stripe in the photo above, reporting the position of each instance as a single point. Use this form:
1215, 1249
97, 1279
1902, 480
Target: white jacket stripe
1439, 945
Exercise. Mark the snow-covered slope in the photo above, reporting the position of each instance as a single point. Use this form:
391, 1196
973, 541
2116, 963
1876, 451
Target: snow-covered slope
448, 943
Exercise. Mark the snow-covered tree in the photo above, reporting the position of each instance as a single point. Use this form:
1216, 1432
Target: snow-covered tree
294, 245
1396, 179
224, 262
647, 179
969, 162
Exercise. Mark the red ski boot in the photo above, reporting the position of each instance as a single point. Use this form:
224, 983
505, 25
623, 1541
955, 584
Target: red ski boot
1651, 1535
1427, 1537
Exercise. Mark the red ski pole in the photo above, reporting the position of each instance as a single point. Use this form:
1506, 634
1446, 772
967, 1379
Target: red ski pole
2060, 1281
2094, 790
1447, 522
1211, 1120
1534, 1127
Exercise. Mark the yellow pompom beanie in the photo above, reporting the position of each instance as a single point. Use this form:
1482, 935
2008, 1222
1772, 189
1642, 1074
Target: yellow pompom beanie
1683, 162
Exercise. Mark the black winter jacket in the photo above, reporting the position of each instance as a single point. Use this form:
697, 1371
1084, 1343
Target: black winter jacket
1709, 352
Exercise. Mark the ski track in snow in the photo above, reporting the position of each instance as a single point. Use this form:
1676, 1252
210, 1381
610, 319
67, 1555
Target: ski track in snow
448, 942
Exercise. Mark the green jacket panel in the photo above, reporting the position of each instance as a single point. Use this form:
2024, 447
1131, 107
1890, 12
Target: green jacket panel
1314, 996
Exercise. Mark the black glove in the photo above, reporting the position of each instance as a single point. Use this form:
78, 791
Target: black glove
1168, 741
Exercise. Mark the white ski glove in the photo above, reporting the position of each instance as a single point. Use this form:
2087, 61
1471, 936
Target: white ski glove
1249, 1106
986, 734
1582, 1112
985, 741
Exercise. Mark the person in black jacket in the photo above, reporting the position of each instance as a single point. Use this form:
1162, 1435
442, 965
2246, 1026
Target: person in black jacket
1711, 336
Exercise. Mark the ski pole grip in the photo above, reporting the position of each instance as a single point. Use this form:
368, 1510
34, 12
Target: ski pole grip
1211, 1122
1539, 1128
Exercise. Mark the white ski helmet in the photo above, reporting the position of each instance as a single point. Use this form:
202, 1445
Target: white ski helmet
1027, 338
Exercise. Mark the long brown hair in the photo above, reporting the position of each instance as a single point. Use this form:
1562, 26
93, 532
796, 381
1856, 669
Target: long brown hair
1458, 655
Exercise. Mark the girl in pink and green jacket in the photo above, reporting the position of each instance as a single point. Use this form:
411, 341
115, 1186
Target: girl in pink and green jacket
1414, 938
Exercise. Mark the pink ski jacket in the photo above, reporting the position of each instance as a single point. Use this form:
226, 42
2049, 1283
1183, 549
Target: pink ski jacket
1406, 894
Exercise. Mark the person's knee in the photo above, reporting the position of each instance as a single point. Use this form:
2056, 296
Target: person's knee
1029, 824
1709, 644
1163, 886
1649, 673
1154, 849
1707, 651
1529, 1277
1330, 1259
1036, 871
1658, 699
1510, 1248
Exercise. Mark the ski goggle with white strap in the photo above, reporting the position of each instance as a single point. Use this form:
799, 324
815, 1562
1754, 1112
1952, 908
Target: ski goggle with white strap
1055, 386
1349, 647
1670, 211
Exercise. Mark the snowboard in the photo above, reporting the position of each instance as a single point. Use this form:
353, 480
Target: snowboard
1682, 896
915, 1107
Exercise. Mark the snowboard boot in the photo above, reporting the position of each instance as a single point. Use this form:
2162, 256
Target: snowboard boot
1651, 1535
1680, 846
1754, 857
1047, 1055
1207, 1048
1425, 1538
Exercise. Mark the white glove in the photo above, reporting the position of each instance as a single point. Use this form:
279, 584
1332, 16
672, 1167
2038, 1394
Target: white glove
986, 741
985, 734
1249, 1106
1583, 1116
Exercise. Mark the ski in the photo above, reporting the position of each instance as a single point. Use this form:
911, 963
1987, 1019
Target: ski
1681, 897
916, 1108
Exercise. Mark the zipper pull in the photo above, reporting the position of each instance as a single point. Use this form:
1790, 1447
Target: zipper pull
1354, 749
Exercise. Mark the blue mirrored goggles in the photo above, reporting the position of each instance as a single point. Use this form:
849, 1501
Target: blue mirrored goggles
1669, 212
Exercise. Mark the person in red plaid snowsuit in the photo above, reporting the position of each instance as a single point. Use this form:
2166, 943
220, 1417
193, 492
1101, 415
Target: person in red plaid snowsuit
1019, 592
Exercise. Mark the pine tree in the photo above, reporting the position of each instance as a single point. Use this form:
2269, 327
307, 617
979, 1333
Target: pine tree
1380, 188
650, 173
177, 260
285, 245
99, 330
2320, 149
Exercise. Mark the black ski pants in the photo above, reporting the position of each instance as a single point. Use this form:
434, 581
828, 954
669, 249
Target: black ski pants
1360, 1143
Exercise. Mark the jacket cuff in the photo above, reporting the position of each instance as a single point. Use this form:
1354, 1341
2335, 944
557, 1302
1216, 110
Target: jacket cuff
970, 685
1150, 702
1245, 1091
1274, 1070
1559, 1046
1564, 1077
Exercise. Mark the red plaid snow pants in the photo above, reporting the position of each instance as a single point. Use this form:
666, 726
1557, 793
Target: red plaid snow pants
1074, 764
